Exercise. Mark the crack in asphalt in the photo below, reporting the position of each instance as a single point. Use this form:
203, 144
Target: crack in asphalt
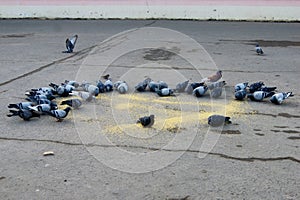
244, 159
82, 52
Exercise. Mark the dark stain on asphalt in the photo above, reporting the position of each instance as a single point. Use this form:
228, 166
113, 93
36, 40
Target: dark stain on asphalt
294, 138
267, 43
280, 126
275, 131
2, 177
257, 129
180, 198
232, 132
260, 134
17, 35
158, 54
288, 115
274, 43
290, 131
239, 145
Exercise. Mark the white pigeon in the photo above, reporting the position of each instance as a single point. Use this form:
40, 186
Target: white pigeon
278, 98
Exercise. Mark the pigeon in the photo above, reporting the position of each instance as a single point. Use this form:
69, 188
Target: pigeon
214, 85
200, 91
259, 95
278, 98
256, 86
74, 103
42, 108
240, 95
213, 78
26, 115
218, 120
86, 96
59, 114
22, 105
193, 86
240, 86
108, 85
75, 84
216, 92
70, 44
153, 86
92, 89
146, 121
258, 50
141, 87
165, 92
105, 76
121, 86
101, 86
43, 90
62, 90
46, 101
31, 96
267, 89
180, 87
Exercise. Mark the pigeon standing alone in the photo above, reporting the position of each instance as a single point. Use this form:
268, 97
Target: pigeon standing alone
259, 50
218, 120
70, 44
146, 121
278, 98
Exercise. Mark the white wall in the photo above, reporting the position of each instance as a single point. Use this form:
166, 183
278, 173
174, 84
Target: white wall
196, 10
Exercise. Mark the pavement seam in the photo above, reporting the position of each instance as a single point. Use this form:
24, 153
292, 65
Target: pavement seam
244, 159
83, 51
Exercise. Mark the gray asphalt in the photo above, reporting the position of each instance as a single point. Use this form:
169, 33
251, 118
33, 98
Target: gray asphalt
257, 157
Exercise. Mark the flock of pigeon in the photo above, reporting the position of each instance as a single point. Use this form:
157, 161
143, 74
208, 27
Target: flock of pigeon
40, 101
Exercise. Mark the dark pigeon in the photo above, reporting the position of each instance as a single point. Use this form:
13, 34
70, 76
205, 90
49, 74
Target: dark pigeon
218, 120
146, 121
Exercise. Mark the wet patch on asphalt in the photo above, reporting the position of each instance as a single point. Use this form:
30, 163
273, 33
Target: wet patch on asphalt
158, 54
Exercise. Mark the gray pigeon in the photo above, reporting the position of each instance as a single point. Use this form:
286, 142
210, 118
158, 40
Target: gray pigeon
146, 121
218, 120
70, 44
193, 86
59, 114
75, 84
200, 91
108, 85
22, 105
26, 115
258, 50
92, 89
74, 103
86, 96
165, 92
216, 92
214, 85
180, 87
42, 108
259, 95
141, 87
240, 86
278, 98
240, 95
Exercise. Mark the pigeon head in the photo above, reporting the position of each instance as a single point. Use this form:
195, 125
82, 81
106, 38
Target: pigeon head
257, 45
